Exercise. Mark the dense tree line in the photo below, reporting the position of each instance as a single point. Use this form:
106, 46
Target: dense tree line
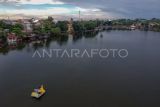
7, 28
86, 25
49, 26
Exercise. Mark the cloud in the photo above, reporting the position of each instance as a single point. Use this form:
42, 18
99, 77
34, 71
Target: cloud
31, 1
92, 8
40, 2
8, 3
47, 7
122, 8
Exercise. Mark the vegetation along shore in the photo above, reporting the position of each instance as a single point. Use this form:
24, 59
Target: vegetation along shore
34, 30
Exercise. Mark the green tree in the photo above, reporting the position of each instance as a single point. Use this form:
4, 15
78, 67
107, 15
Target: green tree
78, 26
47, 25
18, 25
90, 25
62, 25
56, 31
17, 31
1, 32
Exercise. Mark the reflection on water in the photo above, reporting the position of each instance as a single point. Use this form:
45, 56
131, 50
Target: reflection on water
61, 40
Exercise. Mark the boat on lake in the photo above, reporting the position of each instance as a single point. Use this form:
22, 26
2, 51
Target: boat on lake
38, 93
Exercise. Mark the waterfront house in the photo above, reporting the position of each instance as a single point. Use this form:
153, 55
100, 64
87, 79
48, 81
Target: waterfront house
35, 22
1, 43
132, 27
11, 38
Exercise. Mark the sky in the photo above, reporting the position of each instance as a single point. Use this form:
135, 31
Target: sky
89, 9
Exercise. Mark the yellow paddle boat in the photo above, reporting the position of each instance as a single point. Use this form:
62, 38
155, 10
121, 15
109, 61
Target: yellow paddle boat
37, 93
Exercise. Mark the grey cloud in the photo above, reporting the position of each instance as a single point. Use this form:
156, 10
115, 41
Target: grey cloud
123, 8
8, 3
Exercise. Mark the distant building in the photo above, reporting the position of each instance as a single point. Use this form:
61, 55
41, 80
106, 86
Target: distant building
14, 22
10, 22
35, 22
27, 26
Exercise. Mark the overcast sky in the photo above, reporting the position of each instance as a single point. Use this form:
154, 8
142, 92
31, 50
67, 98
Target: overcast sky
88, 8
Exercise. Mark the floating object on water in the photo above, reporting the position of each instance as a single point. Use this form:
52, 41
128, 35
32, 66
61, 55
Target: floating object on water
37, 93
101, 35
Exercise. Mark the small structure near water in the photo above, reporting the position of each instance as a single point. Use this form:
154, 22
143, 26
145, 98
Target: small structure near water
132, 27
12, 38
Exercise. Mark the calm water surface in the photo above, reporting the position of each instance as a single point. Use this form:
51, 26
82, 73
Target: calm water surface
85, 82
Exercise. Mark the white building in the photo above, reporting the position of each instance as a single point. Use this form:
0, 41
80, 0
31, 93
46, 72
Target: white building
27, 26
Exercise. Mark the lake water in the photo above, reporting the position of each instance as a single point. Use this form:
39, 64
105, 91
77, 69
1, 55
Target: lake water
133, 81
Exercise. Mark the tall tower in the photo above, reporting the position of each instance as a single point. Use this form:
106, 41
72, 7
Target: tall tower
79, 15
